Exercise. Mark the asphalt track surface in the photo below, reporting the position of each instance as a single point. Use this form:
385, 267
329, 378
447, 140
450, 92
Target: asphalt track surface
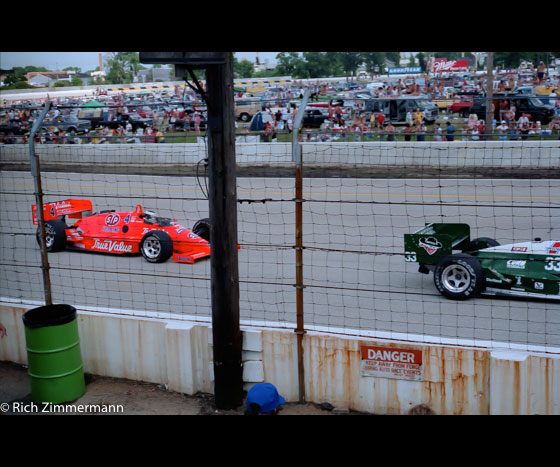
354, 271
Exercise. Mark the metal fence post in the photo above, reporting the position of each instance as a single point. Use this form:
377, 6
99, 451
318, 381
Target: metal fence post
296, 155
36, 174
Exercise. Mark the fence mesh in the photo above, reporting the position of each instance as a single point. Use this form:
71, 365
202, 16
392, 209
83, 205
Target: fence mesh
360, 199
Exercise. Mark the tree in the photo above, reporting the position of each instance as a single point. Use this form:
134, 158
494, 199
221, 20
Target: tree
421, 60
374, 61
243, 69
122, 66
317, 64
288, 63
350, 62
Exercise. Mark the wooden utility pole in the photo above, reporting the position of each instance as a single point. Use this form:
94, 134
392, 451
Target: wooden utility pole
222, 200
222, 195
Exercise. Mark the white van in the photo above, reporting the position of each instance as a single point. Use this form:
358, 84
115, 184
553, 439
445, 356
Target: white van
245, 109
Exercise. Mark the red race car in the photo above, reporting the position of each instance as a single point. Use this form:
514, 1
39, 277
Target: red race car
137, 231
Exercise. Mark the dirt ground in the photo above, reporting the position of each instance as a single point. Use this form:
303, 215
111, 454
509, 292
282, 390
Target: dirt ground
128, 397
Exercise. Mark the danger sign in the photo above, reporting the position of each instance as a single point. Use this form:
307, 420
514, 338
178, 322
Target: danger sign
389, 362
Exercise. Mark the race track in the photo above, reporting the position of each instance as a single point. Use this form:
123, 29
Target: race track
354, 271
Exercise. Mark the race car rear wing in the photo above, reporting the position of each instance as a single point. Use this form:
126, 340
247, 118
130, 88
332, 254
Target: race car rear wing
435, 241
73, 208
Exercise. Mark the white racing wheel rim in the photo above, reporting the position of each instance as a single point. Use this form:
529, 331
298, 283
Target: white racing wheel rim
152, 247
456, 278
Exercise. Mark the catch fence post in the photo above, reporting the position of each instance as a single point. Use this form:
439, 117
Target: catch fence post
297, 159
36, 173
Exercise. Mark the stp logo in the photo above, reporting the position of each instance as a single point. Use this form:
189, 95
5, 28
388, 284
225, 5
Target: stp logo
112, 219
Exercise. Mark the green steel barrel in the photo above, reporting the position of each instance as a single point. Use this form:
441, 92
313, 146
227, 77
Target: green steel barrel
53, 352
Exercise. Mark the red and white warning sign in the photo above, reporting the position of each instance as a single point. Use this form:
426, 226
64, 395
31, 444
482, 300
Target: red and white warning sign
389, 362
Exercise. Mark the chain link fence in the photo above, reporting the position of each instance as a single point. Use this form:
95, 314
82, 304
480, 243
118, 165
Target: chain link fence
361, 192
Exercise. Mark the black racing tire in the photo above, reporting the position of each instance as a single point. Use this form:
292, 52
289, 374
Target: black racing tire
481, 243
459, 276
202, 228
156, 246
55, 233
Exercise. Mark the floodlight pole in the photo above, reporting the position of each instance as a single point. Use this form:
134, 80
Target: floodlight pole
222, 196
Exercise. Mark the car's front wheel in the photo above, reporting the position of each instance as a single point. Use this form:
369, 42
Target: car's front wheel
156, 246
202, 228
459, 276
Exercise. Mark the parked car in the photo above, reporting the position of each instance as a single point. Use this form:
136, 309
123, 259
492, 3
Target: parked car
14, 129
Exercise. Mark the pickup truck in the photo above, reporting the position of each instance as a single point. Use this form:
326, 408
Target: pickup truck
67, 123
531, 105
461, 107
122, 119
314, 118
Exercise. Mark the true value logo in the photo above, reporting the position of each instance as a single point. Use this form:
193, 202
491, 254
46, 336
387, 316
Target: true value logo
112, 246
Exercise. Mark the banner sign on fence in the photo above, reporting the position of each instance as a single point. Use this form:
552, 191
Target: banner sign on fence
442, 65
389, 362
404, 70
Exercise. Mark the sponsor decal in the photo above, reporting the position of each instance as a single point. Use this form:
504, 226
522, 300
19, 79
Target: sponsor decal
192, 236
519, 249
112, 219
554, 249
110, 229
183, 258
497, 281
111, 246
430, 244
516, 264
539, 285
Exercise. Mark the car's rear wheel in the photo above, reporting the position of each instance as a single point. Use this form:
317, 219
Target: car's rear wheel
156, 246
459, 276
55, 235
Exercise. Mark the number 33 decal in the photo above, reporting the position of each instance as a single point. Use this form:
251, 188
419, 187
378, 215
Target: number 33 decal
410, 256
552, 264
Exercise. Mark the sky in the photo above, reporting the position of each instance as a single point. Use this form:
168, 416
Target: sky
87, 61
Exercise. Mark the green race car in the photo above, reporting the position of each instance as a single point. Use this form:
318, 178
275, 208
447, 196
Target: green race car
464, 268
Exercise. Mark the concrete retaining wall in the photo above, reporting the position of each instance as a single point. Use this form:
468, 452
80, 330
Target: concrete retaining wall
530, 154
456, 380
